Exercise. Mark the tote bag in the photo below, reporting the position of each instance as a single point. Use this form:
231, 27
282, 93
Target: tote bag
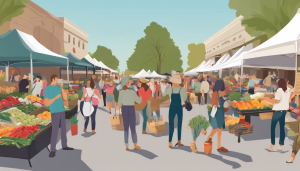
88, 108
213, 111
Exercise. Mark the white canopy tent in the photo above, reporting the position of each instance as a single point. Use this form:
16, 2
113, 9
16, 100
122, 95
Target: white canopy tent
191, 72
149, 72
155, 75
279, 51
141, 74
222, 60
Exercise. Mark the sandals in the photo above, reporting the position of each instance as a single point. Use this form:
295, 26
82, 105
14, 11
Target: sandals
222, 150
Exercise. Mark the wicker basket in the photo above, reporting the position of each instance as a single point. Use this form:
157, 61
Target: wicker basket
240, 129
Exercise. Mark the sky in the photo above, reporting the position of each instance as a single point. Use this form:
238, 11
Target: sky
119, 24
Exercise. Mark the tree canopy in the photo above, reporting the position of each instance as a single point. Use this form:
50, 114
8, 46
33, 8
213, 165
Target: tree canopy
10, 9
105, 55
156, 51
196, 55
265, 17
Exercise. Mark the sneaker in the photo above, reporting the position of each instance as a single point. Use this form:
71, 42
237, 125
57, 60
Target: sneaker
52, 154
68, 148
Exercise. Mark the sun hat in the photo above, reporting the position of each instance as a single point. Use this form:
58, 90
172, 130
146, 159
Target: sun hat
124, 80
143, 80
176, 79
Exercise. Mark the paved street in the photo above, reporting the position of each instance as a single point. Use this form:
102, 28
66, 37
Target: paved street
105, 151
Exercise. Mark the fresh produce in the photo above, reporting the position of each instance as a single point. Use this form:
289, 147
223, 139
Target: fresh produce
28, 108
6, 89
24, 131
247, 98
17, 141
229, 120
251, 105
235, 96
163, 99
5, 116
2, 75
44, 115
14, 112
34, 99
8, 101
257, 96
14, 94
197, 124
74, 120
5, 130
26, 101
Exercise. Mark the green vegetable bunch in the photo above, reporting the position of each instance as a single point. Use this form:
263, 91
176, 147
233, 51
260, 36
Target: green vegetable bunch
197, 124
17, 141
74, 120
235, 96
5, 116
247, 98
163, 99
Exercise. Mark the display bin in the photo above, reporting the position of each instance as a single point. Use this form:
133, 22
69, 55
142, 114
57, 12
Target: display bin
41, 141
73, 110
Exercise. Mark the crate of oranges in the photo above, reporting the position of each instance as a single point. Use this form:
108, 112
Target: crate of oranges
44, 115
251, 106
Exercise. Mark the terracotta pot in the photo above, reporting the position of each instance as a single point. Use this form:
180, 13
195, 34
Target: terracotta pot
207, 148
74, 129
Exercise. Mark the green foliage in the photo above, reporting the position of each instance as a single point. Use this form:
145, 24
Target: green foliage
156, 51
247, 98
74, 120
10, 9
196, 55
105, 55
118, 70
235, 96
265, 17
197, 124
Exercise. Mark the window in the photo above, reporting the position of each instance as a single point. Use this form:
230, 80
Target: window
78, 43
83, 45
69, 39
74, 41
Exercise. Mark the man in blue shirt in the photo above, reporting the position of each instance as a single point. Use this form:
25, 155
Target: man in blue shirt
54, 95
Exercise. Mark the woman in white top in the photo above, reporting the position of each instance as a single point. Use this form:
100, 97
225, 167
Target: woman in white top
281, 105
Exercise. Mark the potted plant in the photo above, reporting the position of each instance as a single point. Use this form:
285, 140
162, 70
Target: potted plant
74, 125
197, 124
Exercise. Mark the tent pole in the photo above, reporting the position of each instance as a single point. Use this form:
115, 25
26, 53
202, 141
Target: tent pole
68, 73
72, 71
31, 70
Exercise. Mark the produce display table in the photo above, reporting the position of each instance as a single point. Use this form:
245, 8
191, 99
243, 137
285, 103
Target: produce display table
248, 114
41, 141
73, 106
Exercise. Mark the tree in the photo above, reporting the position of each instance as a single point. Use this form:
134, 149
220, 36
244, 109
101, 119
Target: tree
118, 70
105, 55
10, 9
156, 51
196, 55
265, 17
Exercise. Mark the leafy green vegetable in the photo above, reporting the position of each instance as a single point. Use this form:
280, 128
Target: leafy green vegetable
197, 124
247, 98
74, 120
163, 99
235, 96
5, 116
17, 141
271, 107
255, 108
28, 108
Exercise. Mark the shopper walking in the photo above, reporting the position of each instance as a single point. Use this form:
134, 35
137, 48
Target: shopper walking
197, 87
157, 89
251, 84
109, 92
144, 92
127, 99
102, 84
218, 121
268, 82
178, 98
204, 89
88, 93
281, 105
54, 96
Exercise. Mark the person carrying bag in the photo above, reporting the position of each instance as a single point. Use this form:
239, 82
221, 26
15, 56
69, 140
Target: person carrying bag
89, 104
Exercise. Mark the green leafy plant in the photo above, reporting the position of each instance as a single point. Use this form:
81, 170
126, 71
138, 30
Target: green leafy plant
197, 124
163, 99
247, 98
31, 88
235, 96
74, 120
209, 107
11, 9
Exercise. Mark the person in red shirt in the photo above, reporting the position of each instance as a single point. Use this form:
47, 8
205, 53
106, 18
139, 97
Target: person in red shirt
145, 93
157, 88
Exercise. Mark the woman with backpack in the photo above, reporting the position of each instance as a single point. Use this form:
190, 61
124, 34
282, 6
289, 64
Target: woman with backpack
88, 93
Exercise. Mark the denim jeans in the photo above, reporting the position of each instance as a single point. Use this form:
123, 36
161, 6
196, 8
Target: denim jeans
278, 116
145, 118
93, 119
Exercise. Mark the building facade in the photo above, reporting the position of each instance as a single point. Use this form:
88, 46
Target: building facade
75, 39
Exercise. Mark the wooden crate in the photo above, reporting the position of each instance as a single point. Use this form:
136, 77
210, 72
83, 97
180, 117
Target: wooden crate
266, 116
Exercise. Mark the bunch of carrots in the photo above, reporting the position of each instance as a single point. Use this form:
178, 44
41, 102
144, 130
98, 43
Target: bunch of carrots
24, 131
4, 130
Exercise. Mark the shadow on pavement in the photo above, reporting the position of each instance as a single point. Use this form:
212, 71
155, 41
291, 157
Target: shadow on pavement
64, 160
243, 157
87, 135
184, 148
104, 110
145, 153
234, 165
166, 133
